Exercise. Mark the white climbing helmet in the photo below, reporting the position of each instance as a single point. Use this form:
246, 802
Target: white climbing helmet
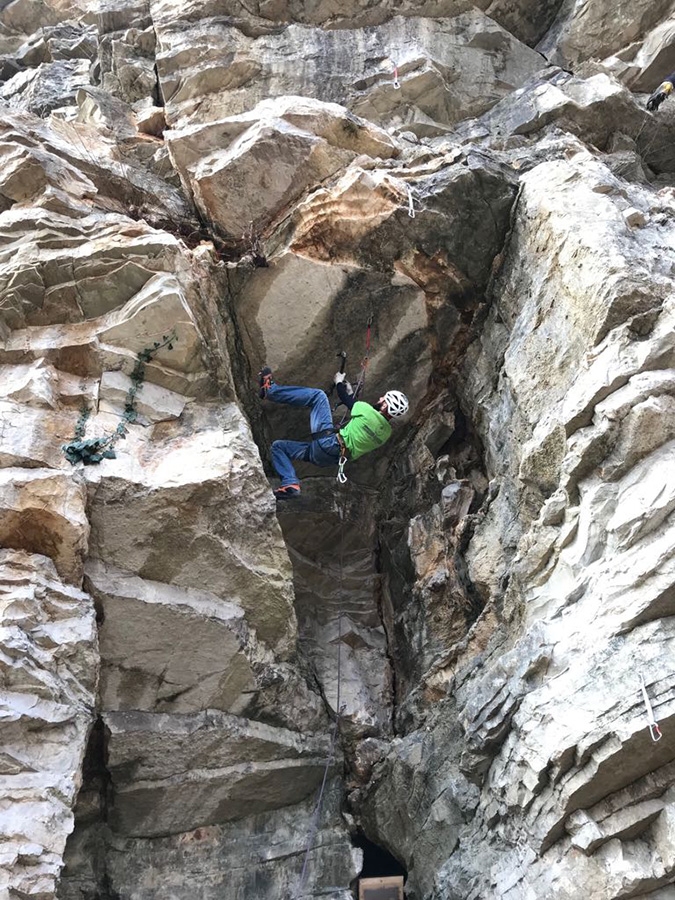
397, 403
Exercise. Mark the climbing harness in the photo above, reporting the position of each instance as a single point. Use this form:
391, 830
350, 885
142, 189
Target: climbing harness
396, 83
411, 205
654, 730
339, 709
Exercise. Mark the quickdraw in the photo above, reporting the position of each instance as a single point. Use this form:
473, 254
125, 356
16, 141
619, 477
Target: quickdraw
411, 205
654, 730
341, 477
396, 83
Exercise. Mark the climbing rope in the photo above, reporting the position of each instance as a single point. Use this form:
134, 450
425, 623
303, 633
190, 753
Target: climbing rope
317, 809
364, 365
93, 450
314, 827
341, 477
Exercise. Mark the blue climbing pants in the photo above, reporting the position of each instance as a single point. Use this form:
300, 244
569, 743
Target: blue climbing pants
323, 451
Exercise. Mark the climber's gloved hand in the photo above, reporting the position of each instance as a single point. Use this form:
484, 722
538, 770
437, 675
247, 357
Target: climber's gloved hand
655, 100
659, 95
341, 378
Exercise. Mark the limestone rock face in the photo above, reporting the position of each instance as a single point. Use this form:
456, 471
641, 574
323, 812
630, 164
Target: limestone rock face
583, 31
339, 626
270, 848
586, 609
641, 66
49, 667
420, 301
137, 677
524, 18
211, 545
222, 768
268, 157
168, 548
557, 105
445, 68
44, 512
457, 656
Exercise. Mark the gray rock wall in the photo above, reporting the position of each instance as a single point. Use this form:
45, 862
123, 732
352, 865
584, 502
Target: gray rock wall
220, 186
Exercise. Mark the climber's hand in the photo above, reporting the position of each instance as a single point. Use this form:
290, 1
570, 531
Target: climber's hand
655, 101
339, 376
659, 96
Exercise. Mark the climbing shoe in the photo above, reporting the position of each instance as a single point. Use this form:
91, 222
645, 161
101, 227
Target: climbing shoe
286, 491
265, 381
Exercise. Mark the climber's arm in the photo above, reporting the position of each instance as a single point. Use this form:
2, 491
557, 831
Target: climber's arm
345, 390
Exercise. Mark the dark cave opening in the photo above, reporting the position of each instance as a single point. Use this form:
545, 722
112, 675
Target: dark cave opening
377, 862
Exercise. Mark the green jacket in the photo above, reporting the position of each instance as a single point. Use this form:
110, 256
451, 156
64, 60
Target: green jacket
366, 430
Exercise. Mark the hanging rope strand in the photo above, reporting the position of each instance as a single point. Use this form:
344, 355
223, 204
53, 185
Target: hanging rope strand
343, 519
317, 812
314, 827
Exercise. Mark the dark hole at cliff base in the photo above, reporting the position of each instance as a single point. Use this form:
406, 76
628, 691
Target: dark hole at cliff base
377, 862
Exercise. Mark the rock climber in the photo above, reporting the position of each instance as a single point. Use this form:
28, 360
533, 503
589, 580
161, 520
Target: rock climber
660, 94
367, 429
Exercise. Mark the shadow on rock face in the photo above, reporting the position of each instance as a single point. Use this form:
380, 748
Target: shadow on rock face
331, 539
